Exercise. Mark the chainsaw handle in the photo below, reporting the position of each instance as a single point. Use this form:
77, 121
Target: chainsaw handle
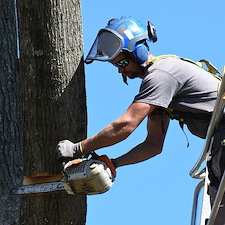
94, 155
104, 158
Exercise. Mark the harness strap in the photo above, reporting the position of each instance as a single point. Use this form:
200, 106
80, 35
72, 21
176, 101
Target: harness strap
180, 116
157, 58
210, 68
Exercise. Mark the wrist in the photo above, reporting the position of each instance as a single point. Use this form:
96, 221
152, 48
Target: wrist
77, 150
114, 162
80, 147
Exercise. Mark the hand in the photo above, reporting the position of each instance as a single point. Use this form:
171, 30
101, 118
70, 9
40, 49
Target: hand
67, 150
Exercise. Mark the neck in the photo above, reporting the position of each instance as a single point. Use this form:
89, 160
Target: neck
145, 65
150, 56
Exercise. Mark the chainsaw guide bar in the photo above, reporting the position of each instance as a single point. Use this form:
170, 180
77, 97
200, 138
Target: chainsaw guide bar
39, 188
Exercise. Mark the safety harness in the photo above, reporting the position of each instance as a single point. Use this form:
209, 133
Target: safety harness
180, 116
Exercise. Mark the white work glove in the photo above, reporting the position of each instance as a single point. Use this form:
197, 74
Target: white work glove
67, 150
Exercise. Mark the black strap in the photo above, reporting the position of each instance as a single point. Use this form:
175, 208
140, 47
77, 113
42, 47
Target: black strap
180, 116
175, 114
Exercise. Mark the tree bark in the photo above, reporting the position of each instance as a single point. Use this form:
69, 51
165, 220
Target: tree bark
53, 89
10, 116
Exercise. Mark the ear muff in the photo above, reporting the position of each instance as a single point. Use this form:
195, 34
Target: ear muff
141, 53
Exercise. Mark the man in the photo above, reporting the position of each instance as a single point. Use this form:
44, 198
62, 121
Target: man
167, 82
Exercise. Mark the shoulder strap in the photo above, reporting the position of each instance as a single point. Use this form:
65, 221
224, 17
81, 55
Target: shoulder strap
157, 58
210, 67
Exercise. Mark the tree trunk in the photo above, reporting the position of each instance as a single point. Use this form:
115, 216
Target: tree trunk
53, 88
10, 116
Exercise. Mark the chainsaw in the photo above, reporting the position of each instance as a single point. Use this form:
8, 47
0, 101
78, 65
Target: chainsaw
80, 176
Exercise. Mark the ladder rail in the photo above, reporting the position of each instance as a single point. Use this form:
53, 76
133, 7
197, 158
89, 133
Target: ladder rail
198, 188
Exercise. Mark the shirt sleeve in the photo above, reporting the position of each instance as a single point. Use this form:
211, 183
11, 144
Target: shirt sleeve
158, 88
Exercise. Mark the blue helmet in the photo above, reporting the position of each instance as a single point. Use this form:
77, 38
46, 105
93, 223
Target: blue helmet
122, 34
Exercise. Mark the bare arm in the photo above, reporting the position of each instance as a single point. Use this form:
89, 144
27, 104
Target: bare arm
151, 146
118, 130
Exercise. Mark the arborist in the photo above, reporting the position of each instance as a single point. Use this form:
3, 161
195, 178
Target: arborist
171, 87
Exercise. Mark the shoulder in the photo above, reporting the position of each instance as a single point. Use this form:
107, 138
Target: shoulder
160, 73
181, 70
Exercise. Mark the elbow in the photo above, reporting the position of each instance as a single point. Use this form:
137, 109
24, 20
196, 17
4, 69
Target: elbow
153, 148
158, 150
124, 128
126, 131
128, 127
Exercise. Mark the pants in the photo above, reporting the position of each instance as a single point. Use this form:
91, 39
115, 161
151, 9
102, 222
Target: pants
220, 219
216, 167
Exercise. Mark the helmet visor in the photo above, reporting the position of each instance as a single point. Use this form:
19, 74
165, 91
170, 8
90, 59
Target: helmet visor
106, 47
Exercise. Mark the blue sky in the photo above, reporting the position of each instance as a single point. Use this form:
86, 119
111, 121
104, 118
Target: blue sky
158, 191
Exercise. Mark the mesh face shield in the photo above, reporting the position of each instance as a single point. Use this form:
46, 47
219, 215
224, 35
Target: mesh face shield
107, 45
124, 33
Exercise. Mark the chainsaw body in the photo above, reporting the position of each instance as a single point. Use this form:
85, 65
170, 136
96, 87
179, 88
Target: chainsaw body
87, 176
80, 176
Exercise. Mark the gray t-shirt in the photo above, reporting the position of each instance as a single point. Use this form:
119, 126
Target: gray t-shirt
182, 86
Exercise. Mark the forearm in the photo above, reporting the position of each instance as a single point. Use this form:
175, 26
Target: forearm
119, 129
138, 154
152, 145
110, 135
